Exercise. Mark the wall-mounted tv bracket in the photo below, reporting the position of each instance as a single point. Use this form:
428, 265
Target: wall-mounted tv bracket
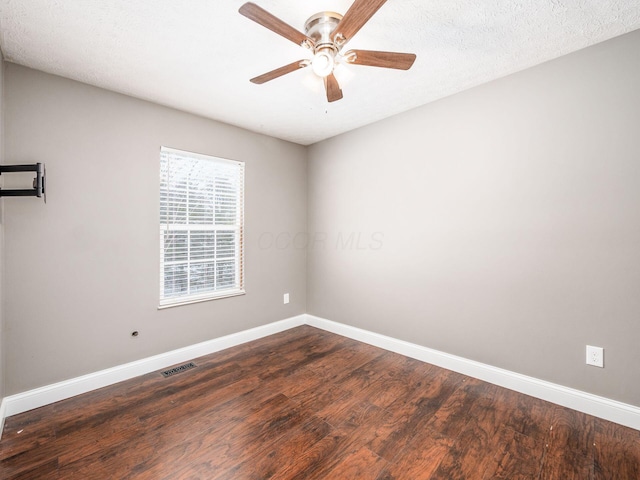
38, 189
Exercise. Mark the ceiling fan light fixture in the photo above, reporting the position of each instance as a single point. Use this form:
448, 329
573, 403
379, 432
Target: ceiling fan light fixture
323, 62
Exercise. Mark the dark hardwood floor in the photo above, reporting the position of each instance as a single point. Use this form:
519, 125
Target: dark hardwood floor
307, 404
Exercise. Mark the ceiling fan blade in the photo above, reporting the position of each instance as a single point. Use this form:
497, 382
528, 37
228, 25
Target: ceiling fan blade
359, 14
273, 23
278, 72
332, 87
373, 58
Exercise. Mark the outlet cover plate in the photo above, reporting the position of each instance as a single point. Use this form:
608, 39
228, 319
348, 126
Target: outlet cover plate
595, 356
286, 298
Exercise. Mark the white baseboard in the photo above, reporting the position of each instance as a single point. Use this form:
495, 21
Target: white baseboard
601, 407
39, 397
614, 411
3, 415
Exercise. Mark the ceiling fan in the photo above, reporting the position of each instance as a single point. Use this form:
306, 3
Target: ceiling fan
325, 35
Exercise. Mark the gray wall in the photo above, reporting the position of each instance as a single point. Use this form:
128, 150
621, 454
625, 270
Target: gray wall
501, 224
2, 361
81, 272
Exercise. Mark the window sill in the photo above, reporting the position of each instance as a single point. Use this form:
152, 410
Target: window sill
233, 293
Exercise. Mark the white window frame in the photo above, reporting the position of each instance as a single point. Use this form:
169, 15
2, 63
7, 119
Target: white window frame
238, 228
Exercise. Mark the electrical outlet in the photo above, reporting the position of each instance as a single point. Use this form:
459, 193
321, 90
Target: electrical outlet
595, 356
286, 298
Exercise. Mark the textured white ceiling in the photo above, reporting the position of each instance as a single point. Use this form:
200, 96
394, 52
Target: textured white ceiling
198, 55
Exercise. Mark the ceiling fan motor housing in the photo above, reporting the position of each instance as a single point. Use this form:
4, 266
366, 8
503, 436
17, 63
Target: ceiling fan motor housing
319, 28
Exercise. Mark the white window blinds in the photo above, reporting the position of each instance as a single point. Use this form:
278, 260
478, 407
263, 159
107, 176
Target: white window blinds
201, 227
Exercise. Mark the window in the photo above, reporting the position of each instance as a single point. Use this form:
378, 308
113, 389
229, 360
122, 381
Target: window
201, 227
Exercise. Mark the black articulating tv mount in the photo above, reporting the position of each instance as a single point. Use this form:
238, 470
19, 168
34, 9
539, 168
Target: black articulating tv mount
38, 189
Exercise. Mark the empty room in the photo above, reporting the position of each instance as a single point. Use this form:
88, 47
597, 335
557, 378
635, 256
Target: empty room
330, 239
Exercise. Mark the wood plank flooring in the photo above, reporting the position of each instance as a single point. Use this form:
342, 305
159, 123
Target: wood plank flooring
308, 404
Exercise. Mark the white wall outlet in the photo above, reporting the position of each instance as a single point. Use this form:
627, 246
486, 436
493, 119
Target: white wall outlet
595, 356
286, 298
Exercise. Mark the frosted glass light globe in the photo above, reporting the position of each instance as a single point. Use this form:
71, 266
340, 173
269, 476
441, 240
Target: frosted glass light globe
322, 63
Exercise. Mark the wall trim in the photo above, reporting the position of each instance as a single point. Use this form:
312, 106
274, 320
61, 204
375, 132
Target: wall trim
42, 396
3, 415
612, 410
